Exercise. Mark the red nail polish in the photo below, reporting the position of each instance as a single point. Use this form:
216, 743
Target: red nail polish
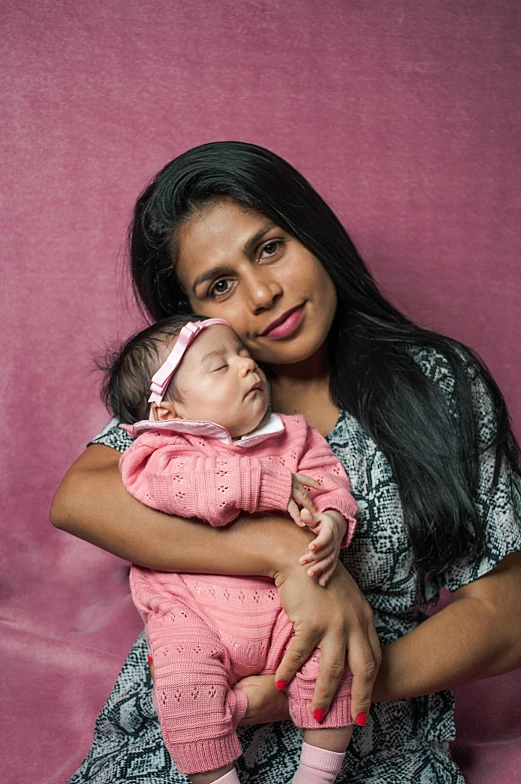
149, 659
361, 719
280, 685
319, 714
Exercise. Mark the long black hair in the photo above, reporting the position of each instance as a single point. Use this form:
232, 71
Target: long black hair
432, 446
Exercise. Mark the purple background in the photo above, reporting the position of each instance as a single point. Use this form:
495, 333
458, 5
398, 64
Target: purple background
404, 115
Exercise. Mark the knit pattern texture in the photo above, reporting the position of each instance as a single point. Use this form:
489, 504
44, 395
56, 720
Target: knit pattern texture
207, 632
194, 476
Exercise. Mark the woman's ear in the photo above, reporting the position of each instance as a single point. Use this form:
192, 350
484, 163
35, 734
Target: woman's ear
164, 411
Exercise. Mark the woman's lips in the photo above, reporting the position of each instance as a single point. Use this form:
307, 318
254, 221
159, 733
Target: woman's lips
290, 322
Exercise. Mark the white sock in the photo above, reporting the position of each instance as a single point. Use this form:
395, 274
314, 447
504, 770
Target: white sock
318, 766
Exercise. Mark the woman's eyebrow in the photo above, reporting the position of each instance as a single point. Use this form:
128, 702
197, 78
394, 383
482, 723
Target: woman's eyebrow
218, 270
221, 268
256, 237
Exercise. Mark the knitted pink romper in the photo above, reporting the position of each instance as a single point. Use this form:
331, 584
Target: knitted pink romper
205, 632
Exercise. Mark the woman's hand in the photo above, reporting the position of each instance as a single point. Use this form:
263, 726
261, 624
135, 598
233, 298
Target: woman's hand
338, 620
265, 702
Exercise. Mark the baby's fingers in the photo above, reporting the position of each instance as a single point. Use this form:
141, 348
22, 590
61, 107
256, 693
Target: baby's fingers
315, 556
324, 579
324, 538
308, 518
300, 494
294, 511
319, 568
309, 481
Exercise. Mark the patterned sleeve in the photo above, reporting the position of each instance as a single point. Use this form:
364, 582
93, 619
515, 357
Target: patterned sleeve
114, 436
498, 503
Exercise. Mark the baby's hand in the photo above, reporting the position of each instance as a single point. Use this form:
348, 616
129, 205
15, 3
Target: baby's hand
324, 550
300, 497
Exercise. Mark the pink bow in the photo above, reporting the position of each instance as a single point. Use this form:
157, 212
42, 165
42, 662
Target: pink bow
161, 379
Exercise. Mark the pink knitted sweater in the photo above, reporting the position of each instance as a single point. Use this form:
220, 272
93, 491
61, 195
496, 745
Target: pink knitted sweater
194, 469
207, 631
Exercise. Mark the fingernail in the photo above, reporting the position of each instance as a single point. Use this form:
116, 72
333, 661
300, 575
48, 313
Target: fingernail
361, 719
319, 714
280, 685
149, 658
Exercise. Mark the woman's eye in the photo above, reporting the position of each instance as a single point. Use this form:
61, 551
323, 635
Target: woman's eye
220, 287
271, 248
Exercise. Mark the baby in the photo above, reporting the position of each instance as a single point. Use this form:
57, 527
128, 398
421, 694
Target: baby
210, 449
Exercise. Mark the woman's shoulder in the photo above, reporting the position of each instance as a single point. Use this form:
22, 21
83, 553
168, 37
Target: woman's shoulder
441, 364
451, 367
113, 436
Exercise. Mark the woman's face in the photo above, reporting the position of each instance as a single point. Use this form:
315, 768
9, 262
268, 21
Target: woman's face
236, 264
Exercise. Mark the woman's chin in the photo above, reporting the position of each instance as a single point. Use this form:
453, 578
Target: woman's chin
297, 352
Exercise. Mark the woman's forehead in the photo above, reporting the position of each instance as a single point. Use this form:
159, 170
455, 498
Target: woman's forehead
216, 235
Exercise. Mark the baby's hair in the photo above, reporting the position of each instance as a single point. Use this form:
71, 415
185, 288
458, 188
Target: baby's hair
128, 370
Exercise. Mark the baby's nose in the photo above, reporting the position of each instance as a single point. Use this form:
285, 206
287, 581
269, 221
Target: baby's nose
246, 365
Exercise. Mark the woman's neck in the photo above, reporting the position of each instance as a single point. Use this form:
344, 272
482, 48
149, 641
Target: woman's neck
314, 368
303, 388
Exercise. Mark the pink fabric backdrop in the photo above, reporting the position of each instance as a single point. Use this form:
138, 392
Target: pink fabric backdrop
404, 114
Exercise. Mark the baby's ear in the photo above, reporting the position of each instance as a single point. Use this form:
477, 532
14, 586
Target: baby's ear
164, 411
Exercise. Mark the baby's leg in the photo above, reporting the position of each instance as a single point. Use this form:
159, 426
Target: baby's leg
197, 708
333, 739
323, 753
325, 743
226, 775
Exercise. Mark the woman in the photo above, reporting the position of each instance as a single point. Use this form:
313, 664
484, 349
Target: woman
230, 230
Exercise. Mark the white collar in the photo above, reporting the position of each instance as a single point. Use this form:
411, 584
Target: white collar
270, 425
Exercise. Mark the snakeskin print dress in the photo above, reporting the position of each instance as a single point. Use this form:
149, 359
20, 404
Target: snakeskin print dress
404, 742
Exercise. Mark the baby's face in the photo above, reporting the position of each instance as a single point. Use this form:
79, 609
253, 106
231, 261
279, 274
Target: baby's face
219, 382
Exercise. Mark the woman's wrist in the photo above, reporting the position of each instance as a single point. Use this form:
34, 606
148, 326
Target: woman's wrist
381, 691
288, 542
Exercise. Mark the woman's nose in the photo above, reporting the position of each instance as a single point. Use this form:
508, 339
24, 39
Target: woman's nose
264, 293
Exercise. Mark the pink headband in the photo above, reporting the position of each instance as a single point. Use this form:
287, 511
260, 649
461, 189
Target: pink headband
162, 378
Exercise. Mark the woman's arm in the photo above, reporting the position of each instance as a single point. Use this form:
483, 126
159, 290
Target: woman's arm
93, 504
477, 636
